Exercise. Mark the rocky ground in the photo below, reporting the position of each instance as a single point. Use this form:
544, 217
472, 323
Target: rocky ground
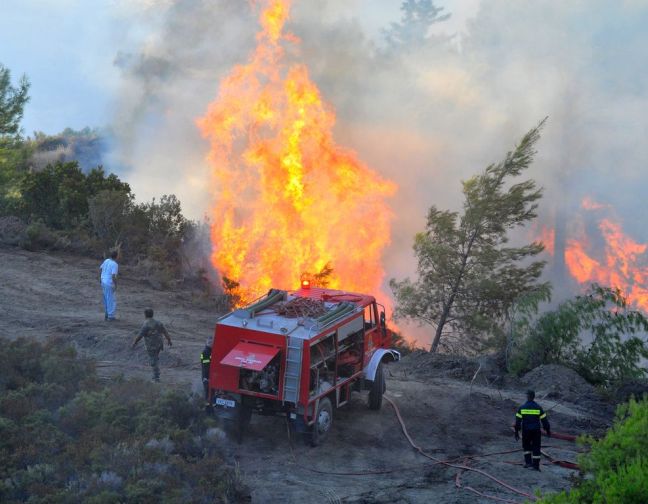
453, 408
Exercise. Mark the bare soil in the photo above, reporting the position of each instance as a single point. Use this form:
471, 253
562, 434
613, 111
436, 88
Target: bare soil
450, 411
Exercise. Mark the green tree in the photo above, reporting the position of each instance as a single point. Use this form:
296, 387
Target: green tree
12, 154
58, 195
12, 104
594, 334
96, 181
110, 214
616, 468
468, 278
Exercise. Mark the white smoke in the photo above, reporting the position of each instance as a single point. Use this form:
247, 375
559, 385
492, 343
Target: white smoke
424, 116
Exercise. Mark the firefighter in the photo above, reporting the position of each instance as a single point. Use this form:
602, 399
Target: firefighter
529, 416
205, 360
152, 332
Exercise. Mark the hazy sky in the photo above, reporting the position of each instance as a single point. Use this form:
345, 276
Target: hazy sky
67, 48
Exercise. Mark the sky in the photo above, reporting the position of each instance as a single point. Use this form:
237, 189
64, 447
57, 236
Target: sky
68, 48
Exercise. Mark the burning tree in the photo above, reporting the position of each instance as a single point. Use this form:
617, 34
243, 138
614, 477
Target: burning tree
468, 276
288, 198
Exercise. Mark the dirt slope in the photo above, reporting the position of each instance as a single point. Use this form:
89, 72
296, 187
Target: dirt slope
43, 295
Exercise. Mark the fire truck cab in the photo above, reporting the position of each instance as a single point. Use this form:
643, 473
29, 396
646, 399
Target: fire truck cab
298, 354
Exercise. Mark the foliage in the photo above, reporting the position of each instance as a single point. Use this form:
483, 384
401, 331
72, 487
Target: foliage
85, 211
167, 227
595, 334
58, 195
110, 212
413, 30
12, 103
38, 236
61, 198
64, 438
520, 317
616, 468
13, 155
468, 278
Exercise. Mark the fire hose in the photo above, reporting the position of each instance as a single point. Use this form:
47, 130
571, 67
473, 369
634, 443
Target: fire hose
450, 462
562, 463
456, 466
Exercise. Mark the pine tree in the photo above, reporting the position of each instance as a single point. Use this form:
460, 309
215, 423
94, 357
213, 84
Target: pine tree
468, 276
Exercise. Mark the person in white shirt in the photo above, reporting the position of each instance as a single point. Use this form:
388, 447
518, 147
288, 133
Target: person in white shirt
109, 269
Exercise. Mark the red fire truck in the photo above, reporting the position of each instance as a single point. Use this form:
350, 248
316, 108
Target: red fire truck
299, 354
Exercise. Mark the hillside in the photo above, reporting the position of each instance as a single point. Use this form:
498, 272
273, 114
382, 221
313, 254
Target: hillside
367, 457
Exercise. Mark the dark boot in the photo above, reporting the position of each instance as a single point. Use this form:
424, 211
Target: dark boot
536, 464
527, 460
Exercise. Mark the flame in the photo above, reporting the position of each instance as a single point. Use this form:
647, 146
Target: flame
547, 235
620, 265
288, 199
590, 204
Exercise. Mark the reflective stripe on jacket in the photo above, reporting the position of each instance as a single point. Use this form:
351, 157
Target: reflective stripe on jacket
529, 416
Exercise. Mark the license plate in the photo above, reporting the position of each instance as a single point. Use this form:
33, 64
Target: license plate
228, 403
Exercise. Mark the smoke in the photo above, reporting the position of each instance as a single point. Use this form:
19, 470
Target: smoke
425, 115
168, 77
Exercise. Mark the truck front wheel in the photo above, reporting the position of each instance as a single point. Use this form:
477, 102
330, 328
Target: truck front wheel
323, 422
377, 389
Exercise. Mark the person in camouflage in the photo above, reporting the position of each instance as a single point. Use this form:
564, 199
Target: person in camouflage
152, 332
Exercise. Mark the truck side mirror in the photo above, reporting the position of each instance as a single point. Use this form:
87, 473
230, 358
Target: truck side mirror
383, 324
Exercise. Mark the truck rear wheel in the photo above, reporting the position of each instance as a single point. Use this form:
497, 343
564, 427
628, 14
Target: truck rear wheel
323, 422
377, 389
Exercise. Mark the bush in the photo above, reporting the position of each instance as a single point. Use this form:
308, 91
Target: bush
594, 334
12, 230
38, 236
616, 469
58, 195
63, 438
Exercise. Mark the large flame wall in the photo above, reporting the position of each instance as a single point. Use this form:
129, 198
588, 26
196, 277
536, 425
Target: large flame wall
288, 200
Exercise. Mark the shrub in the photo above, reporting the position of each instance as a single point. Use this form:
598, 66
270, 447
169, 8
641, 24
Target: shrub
58, 195
616, 468
594, 334
63, 438
12, 230
38, 236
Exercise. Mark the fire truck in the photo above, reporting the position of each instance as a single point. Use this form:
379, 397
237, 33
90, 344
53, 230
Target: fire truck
299, 354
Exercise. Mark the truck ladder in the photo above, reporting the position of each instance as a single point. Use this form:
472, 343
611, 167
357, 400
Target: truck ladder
293, 369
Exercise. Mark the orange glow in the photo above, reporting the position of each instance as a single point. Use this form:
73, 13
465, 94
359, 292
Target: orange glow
620, 265
589, 204
288, 200
548, 238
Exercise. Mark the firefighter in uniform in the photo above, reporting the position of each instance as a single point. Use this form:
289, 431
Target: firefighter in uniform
205, 360
152, 332
529, 416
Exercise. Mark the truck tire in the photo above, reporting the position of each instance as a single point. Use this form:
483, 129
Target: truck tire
323, 422
377, 389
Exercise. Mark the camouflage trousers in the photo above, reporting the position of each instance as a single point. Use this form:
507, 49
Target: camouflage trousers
154, 361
